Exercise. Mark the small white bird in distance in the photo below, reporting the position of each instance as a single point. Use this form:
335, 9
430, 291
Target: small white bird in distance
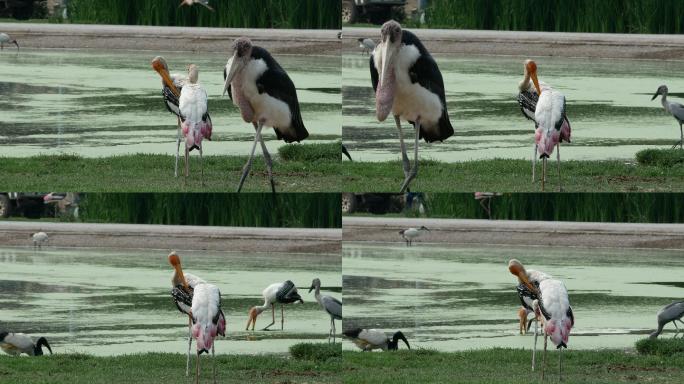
412, 233
367, 45
39, 238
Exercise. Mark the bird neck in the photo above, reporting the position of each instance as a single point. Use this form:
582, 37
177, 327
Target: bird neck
524, 84
261, 308
663, 100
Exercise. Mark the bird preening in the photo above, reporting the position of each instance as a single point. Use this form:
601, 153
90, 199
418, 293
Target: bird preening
18, 343
329, 304
370, 339
5, 38
675, 109
281, 293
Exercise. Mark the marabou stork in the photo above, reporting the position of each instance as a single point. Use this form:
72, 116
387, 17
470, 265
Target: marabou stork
330, 305
671, 313
370, 339
675, 109
18, 343
283, 293
412, 233
207, 321
528, 98
4, 39
408, 83
265, 95
39, 238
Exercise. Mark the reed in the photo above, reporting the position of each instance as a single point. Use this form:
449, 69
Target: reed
583, 207
300, 210
603, 16
297, 14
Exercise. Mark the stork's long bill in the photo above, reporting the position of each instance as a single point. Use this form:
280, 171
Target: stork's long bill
531, 67
517, 269
384, 97
234, 65
159, 65
178, 277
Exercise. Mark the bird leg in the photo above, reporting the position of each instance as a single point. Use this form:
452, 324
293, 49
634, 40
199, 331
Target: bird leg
404, 156
267, 160
560, 364
681, 136
282, 317
248, 166
414, 171
543, 173
187, 165
197, 364
544, 356
178, 136
272, 322
534, 161
201, 166
334, 330
187, 363
213, 360
560, 181
534, 350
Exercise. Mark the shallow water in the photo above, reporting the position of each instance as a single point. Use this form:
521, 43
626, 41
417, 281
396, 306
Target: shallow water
106, 302
608, 103
97, 103
464, 298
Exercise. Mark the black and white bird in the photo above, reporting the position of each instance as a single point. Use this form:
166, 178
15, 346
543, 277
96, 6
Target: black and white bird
282, 293
674, 109
370, 339
411, 234
189, 3
208, 321
367, 45
671, 313
39, 238
330, 305
265, 95
409, 85
18, 343
6, 39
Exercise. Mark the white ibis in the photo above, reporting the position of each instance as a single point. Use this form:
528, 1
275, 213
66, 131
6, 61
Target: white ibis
189, 3
5, 39
412, 233
528, 292
675, 109
266, 96
528, 98
408, 83
671, 313
367, 45
330, 305
197, 123
370, 339
551, 122
183, 288
208, 321
282, 293
18, 343
39, 238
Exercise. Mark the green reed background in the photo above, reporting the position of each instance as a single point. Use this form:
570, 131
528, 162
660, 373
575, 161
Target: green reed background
613, 16
300, 14
588, 207
302, 210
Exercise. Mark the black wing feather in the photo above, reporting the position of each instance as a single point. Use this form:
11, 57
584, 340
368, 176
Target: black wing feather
528, 104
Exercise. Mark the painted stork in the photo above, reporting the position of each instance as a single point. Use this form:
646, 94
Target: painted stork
370, 339
172, 84
207, 321
283, 293
367, 45
551, 122
182, 293
197, 123
4, 39
18, 343
412, 233
189, 3
528, 292
671, 313
408, 83
528, 98
39, 238
330, 305
265, 95
675, 109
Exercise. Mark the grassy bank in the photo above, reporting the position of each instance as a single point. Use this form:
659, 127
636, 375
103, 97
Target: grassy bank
154, 173
509, 366
507, 175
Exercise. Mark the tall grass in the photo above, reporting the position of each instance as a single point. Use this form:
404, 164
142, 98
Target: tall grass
586, 207
605, 16
299, 14
301, 210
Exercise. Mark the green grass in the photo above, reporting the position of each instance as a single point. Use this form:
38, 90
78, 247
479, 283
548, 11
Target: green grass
507, 175
660, 157
316, 352
661, 346
311, 152
154, 173
509, 366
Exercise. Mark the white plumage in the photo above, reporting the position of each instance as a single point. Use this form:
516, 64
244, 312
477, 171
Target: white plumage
283, 293
411, 234
39, 238
367, 45
208, 320
17, 343
370, 339
193, 102
5, 39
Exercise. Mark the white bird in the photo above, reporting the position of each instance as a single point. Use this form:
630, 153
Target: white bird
4, 39
412, 233
189, 3
370, 339
675, 109
330, 305
208, 321
407, 83
283, 293
197, 124
367, 45
671, 313
39, 238
183, 285
18, 343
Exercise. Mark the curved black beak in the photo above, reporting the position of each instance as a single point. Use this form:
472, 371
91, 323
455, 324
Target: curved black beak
311, 289
17, 44
400, 336
42, 342
654, 96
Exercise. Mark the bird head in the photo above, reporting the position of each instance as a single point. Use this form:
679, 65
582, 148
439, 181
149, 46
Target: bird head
662, 90
315, 284
15, 43
516, 268
160, 66
531, 70
242, 52
394, 344
193, 73
38, 350
390, 39
424, 228
178, 277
